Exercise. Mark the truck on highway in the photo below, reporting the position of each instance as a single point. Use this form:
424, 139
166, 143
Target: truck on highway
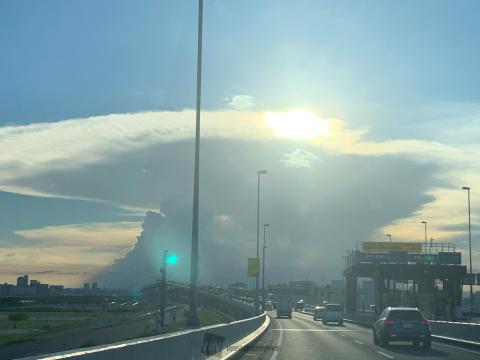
299, 305
284, 307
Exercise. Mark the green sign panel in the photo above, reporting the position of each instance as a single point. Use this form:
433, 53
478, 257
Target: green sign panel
253, 267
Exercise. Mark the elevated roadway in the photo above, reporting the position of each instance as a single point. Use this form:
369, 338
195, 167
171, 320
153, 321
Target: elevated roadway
303, 338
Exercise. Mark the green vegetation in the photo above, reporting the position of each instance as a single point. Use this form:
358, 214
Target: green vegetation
23, 323
85, 344
17, 316
10, 339
209, 317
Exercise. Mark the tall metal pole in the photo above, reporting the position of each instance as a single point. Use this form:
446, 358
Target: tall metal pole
258, 230
425, 223
260, 172
263, 267
192, 318
469, 246
162, 293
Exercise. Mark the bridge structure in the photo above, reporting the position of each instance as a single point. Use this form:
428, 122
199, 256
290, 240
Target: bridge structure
424, 275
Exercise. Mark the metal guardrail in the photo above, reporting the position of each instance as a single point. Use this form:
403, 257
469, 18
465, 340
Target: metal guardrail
187, 344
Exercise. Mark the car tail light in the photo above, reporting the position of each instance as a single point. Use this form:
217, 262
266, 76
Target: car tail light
424, 322
389, 322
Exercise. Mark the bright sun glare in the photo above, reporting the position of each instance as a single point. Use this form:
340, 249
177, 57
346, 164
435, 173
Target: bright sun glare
297, 124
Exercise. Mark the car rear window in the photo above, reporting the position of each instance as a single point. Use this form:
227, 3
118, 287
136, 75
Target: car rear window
333, 308
405, 315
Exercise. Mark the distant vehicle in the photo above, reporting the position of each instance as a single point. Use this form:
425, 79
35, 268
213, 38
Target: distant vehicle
332, 313
402, 324
299, 305
284, 307
268, 305
318, 312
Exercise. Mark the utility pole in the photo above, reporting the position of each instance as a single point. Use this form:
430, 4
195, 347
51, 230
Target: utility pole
259, 172
470, 246
163, 288
425, 223
192, 317
263, 269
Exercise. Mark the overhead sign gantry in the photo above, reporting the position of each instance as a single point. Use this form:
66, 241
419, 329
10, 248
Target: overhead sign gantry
422, 264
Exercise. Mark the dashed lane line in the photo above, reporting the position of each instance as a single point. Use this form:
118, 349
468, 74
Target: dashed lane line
279, 343
386, 355
316, 330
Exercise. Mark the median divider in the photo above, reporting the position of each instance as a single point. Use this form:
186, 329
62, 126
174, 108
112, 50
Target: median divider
187, 344
240, 347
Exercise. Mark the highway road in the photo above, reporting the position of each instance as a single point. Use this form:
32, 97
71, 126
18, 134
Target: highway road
302, 338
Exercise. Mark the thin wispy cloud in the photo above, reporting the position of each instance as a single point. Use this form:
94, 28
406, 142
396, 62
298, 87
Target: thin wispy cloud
299, 159
241, 102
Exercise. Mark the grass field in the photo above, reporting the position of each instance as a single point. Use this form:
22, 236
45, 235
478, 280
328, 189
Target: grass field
120, 323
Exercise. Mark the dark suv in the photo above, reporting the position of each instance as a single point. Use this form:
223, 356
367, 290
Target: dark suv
402, 324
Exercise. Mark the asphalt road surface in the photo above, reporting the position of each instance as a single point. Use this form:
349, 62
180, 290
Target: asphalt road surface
303, 338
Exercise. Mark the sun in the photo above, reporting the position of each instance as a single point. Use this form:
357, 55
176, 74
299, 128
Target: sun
297, 124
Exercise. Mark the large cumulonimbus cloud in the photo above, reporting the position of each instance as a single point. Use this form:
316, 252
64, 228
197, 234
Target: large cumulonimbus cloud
316, 212
321, 195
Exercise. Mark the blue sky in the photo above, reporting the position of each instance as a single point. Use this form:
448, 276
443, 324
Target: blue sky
365, 60
96, 102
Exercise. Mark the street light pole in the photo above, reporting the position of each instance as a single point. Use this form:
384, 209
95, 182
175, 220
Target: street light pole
259, 172
425, 223
390, 237
263, 267
469, 245
162, 293
192, 318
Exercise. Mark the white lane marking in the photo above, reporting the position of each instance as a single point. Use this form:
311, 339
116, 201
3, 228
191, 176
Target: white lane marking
386, 355
358, 342
342, 335
457, 348
279, 342
318, 330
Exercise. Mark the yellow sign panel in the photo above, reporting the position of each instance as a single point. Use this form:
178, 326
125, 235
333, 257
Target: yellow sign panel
253, 267
377, 246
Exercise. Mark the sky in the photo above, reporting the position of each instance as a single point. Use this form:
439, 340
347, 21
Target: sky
365, 113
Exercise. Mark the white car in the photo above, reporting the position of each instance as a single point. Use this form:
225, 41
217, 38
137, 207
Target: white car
332, 313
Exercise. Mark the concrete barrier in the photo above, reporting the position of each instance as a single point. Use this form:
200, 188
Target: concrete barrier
188, 344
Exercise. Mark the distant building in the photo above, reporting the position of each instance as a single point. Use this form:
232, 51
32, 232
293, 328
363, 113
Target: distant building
22, 281
238, 286
301, 284
86, 286
42, 289
337, 284
27, 291
34, 282
94, 286
55, 289
6, 289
